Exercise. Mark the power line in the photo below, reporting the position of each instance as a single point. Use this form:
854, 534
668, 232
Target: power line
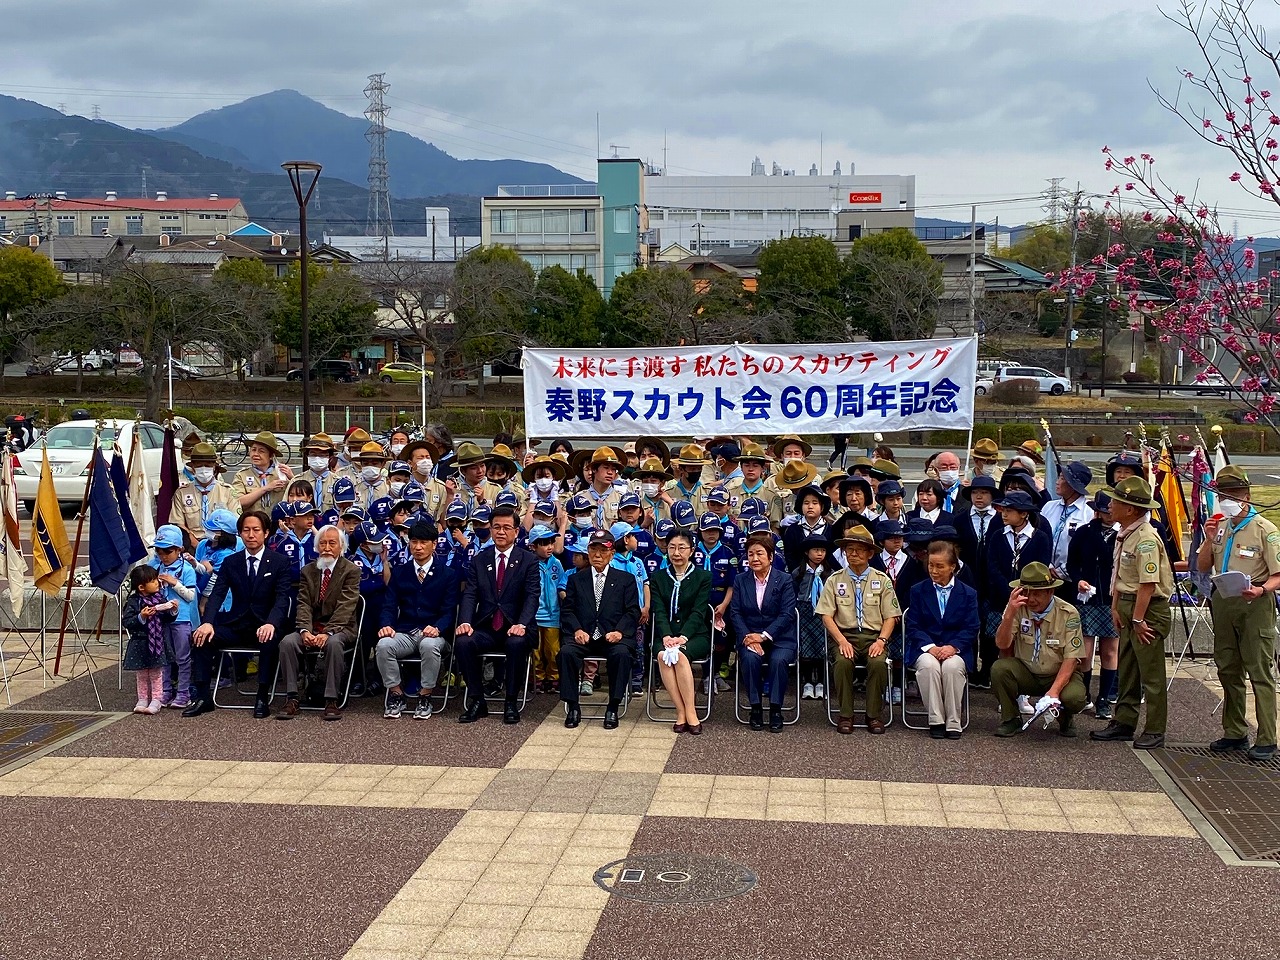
378, 223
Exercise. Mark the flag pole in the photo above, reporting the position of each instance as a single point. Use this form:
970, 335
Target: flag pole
75, 550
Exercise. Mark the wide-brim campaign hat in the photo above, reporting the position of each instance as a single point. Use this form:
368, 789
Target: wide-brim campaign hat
663, 451
752, 452
653, 467
557, 468
885, 470
985, 449
691, 455
1018, 500
1135, 491
1036, 576
468, 454
607, 455
857, 534
319, 441
832, 476
979, 483
413, 446
796, 474
1231, 477
1032, 449
503, 454
204, 452
372, 451
789, 438
267, 439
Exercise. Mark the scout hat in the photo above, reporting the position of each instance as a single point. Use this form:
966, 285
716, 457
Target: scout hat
886, 470
319, 441
1035, 576
502, 454
1125, 458
372, 451
557, 468
1018, 500
813, 490
919, 530
985, 449
979, 483
653, 467
888, 488
832, 476
1136, 492
468, 454
887, 528
1078, 477
355, 436
858, 534
1229, 478
690, 455
412, 447
864, 463
603, 456
796, 474
203, 452
752, 452
267, 439
657, 446
788, 438
1032, 449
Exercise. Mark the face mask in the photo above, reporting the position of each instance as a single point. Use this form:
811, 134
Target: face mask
326, 563
649, 489
949, 476
396, 448
583, 519
204, 474
691, 478
423, 466
370, 474
318, 464
481, 535
397, 486
545, 484
1229, 508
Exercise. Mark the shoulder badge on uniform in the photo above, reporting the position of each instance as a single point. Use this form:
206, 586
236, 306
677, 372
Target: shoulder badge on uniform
1151, 567
1147, 545
1272, 538
1076, 642
1073, 623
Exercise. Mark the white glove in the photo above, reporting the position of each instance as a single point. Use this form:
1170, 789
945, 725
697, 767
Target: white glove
670, 656
788, 521
1047, 703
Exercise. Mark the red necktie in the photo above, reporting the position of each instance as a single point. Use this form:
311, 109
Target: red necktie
502, 577
893, 568
324, 583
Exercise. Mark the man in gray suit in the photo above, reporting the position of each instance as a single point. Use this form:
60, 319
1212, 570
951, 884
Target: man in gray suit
328, 595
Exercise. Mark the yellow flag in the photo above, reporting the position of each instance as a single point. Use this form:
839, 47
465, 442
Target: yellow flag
50, 551
1175, 512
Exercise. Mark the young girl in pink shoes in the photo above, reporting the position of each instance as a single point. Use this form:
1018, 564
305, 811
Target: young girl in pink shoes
145, 615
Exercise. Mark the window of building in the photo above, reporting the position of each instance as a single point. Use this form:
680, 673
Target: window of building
555, 221
529, 222
133, 226
206, 216
715, 214
623, 261
561, 260
66, 226
682, 215
657, 214
749, 215
101, 226
534, 260
502, 221
4, 224
582, 221
622, 220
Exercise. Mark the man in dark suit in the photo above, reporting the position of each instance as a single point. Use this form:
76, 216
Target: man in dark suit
499, 614
762, 614
418, 612
328, 594
981, 526
260, 581
598, 618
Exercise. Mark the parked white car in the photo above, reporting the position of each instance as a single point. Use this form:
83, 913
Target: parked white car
70, 446
983, 386
1049, 382
93, 360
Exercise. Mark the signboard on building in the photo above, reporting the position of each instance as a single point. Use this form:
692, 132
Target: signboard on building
751, 389
866, 198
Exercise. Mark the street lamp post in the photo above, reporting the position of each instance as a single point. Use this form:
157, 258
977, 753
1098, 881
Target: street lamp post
300, 172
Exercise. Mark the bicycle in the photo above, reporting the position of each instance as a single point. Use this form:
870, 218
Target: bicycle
233, 450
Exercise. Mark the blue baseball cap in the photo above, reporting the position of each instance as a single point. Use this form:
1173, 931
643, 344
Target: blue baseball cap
663, 529
580, 503
546, 508
709, 521
482, 514
759, 525
718, 495
221, 520
683, 514
398, 466
344, 490
413, 492
299, 508
168, 536
380, 509
630, 499
578, 546
457, 510
621, 529
753, 507
328, 518
356, 511
541, 532
506, 498
371, 532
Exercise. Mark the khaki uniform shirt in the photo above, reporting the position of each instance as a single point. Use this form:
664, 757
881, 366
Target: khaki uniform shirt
437, 499
486, 489
247, 480
736, 488
189, 505
782, 502
1142, 560
698, 498
1060, 638
323, 488
366, 494
1255, 550
839, 600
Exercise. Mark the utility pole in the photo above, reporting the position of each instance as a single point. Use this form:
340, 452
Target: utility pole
1067, 337
973, 269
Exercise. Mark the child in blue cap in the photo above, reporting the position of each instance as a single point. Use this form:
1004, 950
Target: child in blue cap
177, 583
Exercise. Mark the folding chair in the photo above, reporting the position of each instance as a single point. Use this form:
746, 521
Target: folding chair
908, 670
439, 700
526, 691
651, 700
313, 657
228, 652
790, 715
828, 688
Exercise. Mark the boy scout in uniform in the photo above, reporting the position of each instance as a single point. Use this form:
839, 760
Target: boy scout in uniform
1143, 583
473, 485
688, 484
195, 499
1043, 634
1244, 627
860, 610
320, 456
753, 481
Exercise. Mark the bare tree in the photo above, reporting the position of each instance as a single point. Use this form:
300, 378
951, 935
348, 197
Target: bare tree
899, 297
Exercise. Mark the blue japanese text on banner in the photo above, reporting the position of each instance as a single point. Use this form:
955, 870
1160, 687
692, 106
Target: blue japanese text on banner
751, 389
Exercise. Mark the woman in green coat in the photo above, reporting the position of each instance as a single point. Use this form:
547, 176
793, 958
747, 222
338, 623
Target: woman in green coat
682, 626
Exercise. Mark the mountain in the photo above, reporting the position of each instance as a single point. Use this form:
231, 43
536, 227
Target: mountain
264, 131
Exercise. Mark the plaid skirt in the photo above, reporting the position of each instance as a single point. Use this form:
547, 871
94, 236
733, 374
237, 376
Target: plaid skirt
1095, 621
813, 635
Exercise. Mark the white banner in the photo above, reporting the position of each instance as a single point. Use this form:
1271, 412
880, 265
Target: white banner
751, 389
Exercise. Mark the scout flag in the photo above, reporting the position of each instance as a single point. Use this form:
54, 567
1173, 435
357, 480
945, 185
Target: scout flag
1172, 505
169, 476
50, 552
13, 566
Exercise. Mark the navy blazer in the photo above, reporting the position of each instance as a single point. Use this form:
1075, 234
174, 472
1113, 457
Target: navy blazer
518, 598
256, 602
619, 605
958, 627
409, 605
777, 617
1001, 569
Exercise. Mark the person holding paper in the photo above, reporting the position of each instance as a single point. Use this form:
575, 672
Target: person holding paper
681, 594
1142, 582
1244, 626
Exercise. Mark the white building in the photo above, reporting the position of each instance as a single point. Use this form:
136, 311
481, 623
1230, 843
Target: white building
704, 214
437, 244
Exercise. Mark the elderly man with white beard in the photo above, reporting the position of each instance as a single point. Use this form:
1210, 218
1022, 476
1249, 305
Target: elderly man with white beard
328, 594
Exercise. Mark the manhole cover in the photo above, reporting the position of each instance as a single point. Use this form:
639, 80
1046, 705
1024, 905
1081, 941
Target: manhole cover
25, 733
1239, 798
675, 878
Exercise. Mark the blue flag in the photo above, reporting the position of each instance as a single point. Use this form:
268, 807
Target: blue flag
120, 484
109, 547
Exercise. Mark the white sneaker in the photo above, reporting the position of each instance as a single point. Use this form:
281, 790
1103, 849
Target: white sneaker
153, 707
807, 693
141, 706
586, 688
819, 691
1088, 707
896, 697
1024, 706
723, 685
424, 710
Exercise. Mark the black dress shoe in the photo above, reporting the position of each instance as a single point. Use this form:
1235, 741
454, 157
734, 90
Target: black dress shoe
1149, 741
610, 718
775, 719
198, 707
757, 717
1226, 744
510, 712
1112, 731
573, 716
475, 710
938, 731
261, 708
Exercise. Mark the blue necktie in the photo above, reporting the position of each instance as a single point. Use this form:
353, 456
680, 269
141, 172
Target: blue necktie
815, 589
944, 594
857, 595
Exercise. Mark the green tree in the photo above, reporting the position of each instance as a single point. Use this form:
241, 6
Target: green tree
566, 310
665, 305
259, 298
892, 286
1045, 247
802, 289
493, 289
27, 279
341, 312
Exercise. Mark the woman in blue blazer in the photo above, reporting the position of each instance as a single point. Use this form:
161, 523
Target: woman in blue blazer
941, 638
765, 628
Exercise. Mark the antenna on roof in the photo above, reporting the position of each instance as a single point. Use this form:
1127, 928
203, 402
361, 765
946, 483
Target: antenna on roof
615, 147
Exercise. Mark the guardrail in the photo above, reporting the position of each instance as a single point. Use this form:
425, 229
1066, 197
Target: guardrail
1159, 389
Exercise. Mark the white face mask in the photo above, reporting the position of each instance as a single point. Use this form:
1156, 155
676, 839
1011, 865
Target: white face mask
318, 464
203, 474
370, 474
397, 486
1229, 508
326, 563
649, 489
423, 466
545, 484
949, 476
396, 448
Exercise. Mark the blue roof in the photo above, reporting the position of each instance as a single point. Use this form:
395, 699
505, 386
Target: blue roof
251, 230
1021, 269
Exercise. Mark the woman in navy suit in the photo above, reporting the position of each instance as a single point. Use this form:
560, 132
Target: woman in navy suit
763, 615
942, 634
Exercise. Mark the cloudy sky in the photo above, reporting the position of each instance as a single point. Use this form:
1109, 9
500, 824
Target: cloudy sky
982, 99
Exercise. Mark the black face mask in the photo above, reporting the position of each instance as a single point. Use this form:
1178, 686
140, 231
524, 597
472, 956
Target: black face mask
692, 477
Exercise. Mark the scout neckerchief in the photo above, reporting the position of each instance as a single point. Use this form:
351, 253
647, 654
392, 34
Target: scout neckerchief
944, 594
858, 581
1036, 620
1121, 537
1231, 537
1068, 511
752, 491
675, 592
204, 495
317, 483
952, 493
815, 586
